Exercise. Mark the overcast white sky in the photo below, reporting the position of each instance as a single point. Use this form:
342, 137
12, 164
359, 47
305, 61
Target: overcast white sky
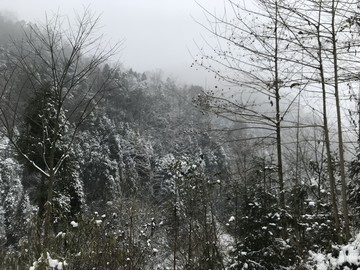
158, 34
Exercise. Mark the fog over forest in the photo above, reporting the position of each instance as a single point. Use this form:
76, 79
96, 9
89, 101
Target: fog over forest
158, 34
198, 135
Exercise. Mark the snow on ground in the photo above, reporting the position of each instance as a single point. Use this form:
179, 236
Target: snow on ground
226, 241
348, 255
321, 261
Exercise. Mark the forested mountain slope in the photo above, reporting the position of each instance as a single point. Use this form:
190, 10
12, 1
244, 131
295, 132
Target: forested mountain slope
142, 175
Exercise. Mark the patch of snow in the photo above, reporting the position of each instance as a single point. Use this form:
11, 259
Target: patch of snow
347, 254
350, 253
74, 224
226, 244
9, 161
322, 263
53, 263
60, 234
98, 221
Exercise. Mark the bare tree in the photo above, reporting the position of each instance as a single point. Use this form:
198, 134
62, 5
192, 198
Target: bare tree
253, 56
64, 59
326, 32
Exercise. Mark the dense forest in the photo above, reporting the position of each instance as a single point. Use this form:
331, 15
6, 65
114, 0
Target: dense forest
103, 167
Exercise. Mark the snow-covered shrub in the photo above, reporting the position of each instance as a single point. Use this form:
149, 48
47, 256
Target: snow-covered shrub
122, 236
261, 244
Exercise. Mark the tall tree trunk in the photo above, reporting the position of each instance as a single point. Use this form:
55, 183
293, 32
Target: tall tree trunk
338, 115
278, 116
326, 129
175, 247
